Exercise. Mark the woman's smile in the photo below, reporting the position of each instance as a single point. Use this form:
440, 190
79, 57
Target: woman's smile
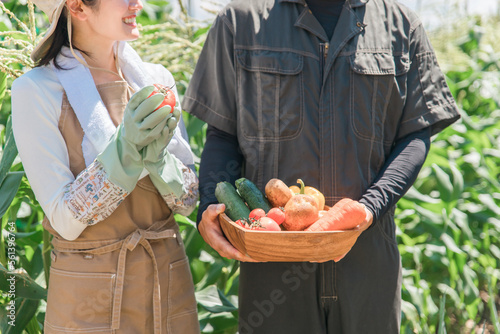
130, 20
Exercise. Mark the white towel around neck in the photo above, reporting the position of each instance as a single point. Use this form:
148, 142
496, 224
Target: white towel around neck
89, 108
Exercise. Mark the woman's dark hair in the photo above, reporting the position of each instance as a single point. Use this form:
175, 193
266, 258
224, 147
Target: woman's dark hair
59, 39
60, 36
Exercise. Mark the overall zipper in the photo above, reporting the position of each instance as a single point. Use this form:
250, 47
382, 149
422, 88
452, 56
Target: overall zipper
328, 270
323, 51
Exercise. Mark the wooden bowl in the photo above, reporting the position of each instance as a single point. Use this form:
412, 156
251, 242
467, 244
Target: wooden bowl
288, 246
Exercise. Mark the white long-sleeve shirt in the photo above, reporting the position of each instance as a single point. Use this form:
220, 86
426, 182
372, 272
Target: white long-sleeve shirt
36, 109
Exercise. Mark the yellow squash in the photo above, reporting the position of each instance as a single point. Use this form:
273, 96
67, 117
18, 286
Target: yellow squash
308, 190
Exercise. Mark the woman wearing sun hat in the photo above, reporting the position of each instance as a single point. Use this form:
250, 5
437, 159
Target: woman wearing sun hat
108, 172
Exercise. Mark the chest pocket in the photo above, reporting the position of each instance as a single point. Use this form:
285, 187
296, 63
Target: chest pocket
270, 94
375, 79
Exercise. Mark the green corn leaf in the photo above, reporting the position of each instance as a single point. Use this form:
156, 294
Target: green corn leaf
450, 244
233, 283
414, 195
8, 190
450, 292
444, 184
184, 221
471, 281
429, 216
462, 221
198, 270
489, 201
442, 311
495, 250
9, 151
213, 300
194, 243
3, 86
474, 307
25, 286
34, 327
25, 310
224, 322
458, 182
492, 307
411, 313
212, 274
416, 296
195, 125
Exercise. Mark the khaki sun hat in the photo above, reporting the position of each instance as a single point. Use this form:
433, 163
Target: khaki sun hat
53, 9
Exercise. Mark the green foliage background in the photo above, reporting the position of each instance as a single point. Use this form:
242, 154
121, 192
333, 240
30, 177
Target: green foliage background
448, 225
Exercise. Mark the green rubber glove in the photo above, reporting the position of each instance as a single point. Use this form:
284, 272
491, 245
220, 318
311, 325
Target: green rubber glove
165, 171
122, 158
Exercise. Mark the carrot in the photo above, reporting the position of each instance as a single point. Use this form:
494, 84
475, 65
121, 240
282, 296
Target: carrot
346, 214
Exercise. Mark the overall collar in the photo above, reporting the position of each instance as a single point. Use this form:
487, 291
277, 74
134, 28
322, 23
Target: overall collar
353, 3
351, 23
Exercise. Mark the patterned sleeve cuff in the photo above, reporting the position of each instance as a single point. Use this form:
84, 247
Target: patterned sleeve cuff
186, 204
92, 197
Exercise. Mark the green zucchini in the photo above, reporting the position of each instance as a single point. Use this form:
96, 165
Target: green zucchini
235, 206
252, 195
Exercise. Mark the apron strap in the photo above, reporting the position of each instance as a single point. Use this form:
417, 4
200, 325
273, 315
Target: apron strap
88, 246
139, 237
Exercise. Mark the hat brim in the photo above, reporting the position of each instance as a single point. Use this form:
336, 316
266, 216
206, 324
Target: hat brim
43, 46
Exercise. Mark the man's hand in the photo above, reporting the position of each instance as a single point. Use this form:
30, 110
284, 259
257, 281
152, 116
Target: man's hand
211, 231
368, 220
363, 226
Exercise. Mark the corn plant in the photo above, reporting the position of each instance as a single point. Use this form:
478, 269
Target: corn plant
449, 226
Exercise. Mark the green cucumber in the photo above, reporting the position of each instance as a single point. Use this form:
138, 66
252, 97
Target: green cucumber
252, 195
235, 206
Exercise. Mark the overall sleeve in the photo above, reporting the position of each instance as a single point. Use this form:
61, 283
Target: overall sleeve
429, 108
221, 153
398, 173
211, 95
429, 102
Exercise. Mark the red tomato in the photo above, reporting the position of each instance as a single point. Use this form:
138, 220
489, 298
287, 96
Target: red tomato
277, 214
268, 224
240, 223
256, 214
169, 96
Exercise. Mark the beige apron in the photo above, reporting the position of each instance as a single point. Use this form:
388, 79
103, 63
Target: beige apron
128, 273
